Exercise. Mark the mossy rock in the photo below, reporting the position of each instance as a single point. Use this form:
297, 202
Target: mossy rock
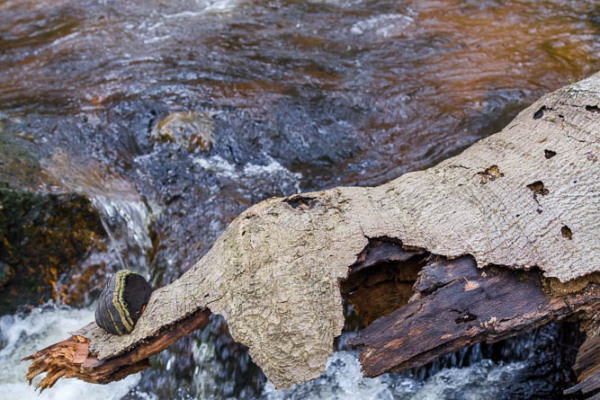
42, 236
192, 130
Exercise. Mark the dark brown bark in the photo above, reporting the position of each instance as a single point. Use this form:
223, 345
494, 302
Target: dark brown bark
382, 279
457, 304
587, 368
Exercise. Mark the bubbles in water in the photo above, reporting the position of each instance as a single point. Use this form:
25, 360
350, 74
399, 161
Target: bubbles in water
386, 26
343, 381
21, 336
273, 171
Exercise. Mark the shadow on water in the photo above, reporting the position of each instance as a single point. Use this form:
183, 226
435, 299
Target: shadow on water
287, 95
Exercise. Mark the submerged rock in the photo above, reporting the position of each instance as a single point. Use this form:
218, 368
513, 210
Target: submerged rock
188, 130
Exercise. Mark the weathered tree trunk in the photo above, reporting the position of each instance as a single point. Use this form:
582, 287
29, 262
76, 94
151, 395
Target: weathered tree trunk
514, 219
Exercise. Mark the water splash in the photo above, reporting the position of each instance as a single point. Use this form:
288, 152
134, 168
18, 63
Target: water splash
343, 381
273, 171
385, 26
23, 335
124, 215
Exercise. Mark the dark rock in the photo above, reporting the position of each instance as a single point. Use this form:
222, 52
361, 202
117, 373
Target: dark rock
42, 236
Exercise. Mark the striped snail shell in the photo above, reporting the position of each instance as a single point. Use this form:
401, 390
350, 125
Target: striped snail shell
122, 302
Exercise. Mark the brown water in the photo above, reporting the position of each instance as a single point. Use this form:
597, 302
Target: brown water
301, 95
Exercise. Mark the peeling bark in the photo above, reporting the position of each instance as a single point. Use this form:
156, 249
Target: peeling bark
523, 198
72, 357
587, 368
457, 305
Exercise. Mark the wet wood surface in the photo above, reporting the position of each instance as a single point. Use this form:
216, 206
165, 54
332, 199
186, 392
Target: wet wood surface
457, 304
382, 279
72, 358
587, 368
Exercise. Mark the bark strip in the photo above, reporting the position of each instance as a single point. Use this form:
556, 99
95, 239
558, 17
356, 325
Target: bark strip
587, 368
457, 305
72, 357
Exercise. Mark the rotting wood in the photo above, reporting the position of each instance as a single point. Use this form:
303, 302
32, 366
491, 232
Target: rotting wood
457, 304
72, 358
382, 279
275, 271
587, 368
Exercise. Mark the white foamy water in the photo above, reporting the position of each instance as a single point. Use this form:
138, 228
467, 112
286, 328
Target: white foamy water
199, 7
21, 336
343, 380
272, 171
385, 26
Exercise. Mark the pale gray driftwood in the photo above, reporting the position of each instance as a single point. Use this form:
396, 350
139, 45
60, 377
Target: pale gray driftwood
527, 196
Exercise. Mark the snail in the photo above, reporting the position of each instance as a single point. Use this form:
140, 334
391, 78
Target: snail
122, 302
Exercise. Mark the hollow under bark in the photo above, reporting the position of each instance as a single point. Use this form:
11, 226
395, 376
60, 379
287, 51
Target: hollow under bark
521, 227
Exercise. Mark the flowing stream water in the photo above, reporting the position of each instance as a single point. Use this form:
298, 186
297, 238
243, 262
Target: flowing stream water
271, 98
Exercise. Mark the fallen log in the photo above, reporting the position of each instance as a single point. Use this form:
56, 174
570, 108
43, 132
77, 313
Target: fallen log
514, 218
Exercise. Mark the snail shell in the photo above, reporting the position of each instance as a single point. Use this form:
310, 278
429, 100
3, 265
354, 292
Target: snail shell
122, 302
